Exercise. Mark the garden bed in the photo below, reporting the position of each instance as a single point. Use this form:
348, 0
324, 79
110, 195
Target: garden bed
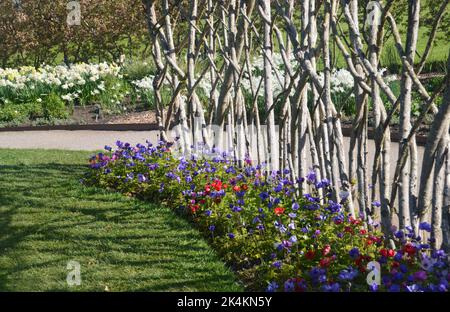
277, 234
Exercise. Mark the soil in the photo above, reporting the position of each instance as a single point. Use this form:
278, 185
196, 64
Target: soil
395, 127
88, 115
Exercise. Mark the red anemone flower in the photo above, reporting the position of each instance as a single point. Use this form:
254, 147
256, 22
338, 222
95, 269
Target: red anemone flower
325, 262
310, 255
279, 211
194, 208
384, 253
409, 249
348, 229
217, 184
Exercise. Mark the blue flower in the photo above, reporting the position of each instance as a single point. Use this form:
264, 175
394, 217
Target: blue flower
231, 235
322, 278
278, 188
382, 259
335, 287
212, 228
354, 253
277, 264
399, 234
425, 226
397, 277
141, 178
311, 177
333, 207
376, 203
264, 195
272, 287
398, 256
394, 288
442, 288
438, 254
373, 287
289, 286
236, 209
311, 198
348, 274
323, 183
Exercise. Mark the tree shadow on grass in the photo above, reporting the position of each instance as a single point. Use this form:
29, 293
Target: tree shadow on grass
47, 218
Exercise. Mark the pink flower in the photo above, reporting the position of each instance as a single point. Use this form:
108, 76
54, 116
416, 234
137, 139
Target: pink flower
326, 250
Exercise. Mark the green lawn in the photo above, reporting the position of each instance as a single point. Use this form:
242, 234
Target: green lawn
47, 219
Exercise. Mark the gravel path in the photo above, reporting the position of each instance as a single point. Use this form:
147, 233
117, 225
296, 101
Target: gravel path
72, 140
91, 140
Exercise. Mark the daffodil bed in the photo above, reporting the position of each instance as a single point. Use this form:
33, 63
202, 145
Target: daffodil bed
273, 237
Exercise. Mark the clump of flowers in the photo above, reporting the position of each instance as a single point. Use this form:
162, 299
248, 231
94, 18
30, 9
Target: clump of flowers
273, 236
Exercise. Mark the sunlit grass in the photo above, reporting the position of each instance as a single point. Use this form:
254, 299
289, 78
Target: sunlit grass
48, 218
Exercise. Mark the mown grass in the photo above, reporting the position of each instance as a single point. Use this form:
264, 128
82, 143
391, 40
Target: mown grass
48, 218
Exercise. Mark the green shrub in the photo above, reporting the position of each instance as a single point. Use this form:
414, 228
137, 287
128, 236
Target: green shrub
137, 70
53, 107
12, 113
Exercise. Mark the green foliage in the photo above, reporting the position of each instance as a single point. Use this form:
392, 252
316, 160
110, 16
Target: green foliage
53, 107
112, 98
12, 113
390, 58
137, 70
